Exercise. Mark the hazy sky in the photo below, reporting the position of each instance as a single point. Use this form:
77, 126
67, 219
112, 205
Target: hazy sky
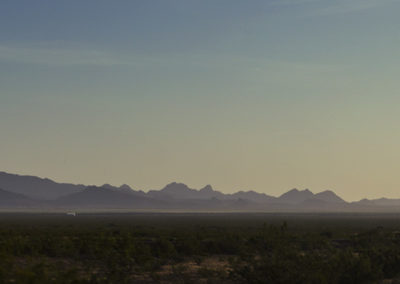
244, 95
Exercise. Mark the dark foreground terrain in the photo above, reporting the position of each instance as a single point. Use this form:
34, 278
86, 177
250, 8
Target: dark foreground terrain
199, 248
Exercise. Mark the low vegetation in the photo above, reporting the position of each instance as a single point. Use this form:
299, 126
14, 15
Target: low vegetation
199, 248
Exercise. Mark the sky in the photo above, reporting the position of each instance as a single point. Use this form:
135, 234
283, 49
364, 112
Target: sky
244, 95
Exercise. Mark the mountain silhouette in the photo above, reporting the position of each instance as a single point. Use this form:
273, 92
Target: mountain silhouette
15, 200
103, 197
253, 196
35, 187
382, 202
328, 196
295, 196
33, 192
180, 191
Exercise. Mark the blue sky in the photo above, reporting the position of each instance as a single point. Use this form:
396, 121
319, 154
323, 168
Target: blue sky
260, 95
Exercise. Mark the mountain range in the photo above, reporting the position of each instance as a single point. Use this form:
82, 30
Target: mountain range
29, 192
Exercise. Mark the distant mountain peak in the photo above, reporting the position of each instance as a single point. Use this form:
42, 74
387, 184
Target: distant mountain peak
174, 186
296, 191
326, 192
293, 190
295, 196
174, 183
125, 187
108, 186
207, 188
329, 196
